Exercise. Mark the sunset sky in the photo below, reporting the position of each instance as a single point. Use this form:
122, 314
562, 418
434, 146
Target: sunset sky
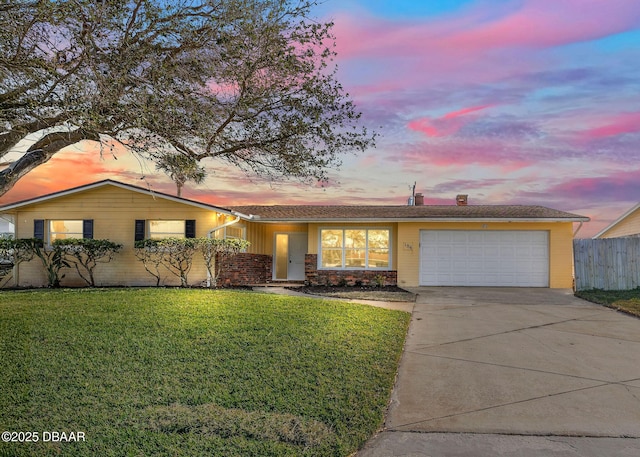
508, 101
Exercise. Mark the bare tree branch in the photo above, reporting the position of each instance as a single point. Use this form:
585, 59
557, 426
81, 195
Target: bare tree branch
40, 153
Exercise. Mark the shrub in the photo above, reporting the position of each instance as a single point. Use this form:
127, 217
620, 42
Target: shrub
150, 254
176, 256
86, 253
13, 252
173, 254
217, 253
53, 260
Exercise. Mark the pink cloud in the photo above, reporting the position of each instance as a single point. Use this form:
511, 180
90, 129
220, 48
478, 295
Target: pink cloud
536, 23
464, 111
74, 166
617, 186
63, 171
425, 125
446, 125
545, 23
482, 43
445, 153
617, 125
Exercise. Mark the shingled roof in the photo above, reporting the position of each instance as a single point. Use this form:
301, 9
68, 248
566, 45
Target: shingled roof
313, 213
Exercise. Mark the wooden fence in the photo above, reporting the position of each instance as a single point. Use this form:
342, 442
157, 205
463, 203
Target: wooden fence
608, 264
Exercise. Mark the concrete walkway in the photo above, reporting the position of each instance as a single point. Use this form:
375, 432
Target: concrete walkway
514, 372
399, 306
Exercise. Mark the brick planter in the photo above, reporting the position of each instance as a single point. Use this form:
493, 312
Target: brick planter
315, 277
244, 269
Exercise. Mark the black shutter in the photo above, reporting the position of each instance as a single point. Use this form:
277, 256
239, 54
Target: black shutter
139, 234
190, 228
87, 228
38, 229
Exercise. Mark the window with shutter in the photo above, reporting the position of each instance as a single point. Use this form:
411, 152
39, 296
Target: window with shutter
61, 229
139, 230
38, 229
159, 229
190, 228
87, 228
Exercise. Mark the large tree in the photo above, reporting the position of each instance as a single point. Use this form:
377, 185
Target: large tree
249, 82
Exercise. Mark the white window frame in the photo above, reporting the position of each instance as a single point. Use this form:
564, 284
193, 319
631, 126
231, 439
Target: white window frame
154, 235
50, 236
223, 234
366, 249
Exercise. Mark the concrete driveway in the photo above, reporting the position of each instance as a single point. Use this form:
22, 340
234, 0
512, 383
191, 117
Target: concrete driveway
529, 363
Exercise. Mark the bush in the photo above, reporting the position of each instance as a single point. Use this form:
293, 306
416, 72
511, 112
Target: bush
217, 252
53, 261
150, 254
176, 255
13, 252
86, 254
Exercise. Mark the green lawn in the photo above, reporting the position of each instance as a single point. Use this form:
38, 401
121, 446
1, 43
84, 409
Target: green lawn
194, 372
623, 300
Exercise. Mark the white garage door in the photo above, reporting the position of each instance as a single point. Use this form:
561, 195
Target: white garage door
484, 258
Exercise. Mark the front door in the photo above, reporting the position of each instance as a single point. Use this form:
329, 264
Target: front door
289, 256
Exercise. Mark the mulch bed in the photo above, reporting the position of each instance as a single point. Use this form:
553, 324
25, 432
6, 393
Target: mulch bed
321, 290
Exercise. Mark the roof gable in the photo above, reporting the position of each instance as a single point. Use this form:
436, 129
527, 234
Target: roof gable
622, 219
109, 182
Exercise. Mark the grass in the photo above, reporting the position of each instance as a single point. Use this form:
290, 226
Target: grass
622, 300
194, 372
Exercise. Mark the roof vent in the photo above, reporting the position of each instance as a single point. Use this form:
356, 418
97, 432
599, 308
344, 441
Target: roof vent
461, 200
419, 200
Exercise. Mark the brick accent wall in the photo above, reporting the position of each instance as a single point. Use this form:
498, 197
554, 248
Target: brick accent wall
244, 269
315, 277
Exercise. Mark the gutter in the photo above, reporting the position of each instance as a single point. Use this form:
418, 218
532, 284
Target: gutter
431, 219
578, 229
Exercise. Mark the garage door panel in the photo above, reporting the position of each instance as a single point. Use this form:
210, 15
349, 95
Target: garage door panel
525, 251
484, 258
456, 238
474, 237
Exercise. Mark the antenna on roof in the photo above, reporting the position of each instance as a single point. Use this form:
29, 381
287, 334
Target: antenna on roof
412, 199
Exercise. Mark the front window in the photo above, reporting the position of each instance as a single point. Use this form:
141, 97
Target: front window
355, 248
234, 232
60, 230
166, 229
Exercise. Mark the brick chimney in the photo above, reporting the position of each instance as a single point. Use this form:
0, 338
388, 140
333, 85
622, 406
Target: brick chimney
461, 200
419, 200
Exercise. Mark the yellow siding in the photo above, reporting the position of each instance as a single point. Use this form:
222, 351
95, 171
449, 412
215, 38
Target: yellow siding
114, 211
560, 247
629, 226
261, 236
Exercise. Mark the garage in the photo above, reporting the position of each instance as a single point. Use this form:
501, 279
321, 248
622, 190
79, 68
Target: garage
516, 258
